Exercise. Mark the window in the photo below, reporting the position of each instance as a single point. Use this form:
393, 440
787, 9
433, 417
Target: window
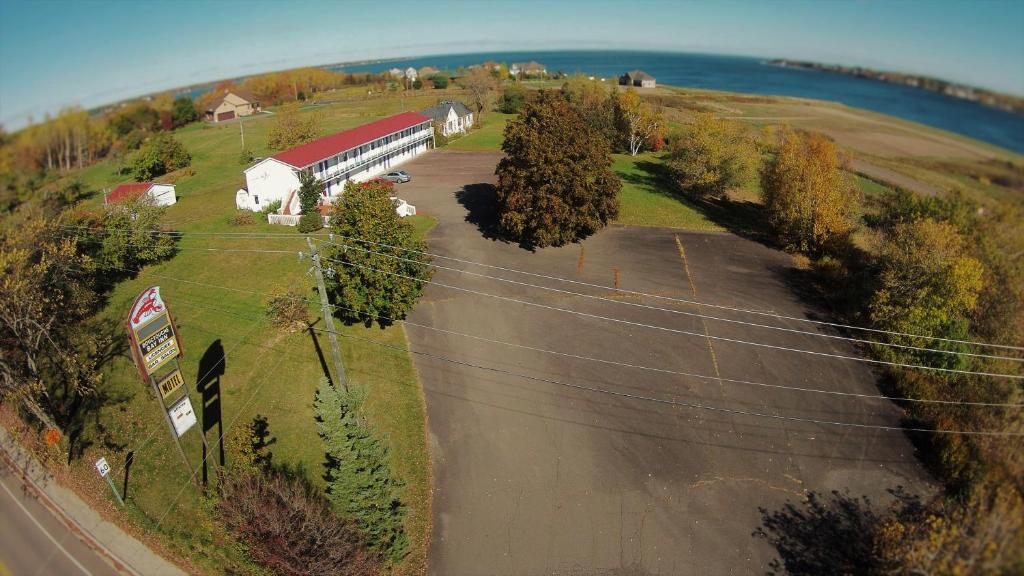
256, 199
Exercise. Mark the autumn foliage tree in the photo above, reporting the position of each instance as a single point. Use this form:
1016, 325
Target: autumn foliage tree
291, 128
635, 119
379, 266
711, 155
481, 86
811, 203
555, 184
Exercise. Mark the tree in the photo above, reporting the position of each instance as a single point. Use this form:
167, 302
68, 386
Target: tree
311, 190
184, 112
555, 184
593, 100
512, 100
121, 237
927, 284
158, 156
380, 270
711, 155
360, 483
481, 87
811, 204
439, 80
635, 119
290, 128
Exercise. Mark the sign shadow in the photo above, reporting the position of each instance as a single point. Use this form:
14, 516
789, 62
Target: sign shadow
211, 368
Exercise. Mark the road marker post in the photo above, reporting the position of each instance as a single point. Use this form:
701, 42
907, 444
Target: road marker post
104, 469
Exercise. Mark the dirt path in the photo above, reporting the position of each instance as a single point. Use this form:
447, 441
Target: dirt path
893, 178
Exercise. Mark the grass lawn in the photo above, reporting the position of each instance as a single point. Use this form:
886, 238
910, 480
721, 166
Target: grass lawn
266, 372
487, 137
646, 201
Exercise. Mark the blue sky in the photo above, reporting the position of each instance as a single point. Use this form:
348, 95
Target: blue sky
55, 54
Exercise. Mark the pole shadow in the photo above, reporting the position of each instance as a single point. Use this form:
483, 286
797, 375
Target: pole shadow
129, 459
211, 368
319, 351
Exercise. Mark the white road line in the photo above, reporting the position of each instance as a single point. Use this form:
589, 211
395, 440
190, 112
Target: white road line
44, 530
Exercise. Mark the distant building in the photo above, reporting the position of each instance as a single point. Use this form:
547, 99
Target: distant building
410, 74
355, 155
233, 104
451, 117
637, 78
161, 194
529, 69
396, 73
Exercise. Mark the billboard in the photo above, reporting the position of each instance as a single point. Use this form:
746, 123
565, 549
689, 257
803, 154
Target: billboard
152, 333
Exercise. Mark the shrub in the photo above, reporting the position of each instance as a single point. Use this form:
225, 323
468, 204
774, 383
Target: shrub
360, 483
512, 100
241, 218
271, 208
289, 528
245, 157
440, 140
288, 310
440, 81
183, 112
310, 222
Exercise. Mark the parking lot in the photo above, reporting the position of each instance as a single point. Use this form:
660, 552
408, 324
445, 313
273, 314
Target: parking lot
556, 464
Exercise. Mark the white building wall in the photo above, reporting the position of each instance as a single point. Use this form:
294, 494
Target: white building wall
266, 182
162, 194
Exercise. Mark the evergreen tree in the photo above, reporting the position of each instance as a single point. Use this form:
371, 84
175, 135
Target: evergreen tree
360, 483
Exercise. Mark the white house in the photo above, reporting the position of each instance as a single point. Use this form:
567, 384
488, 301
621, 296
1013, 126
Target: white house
161, 194
358, 155
451, 117
410, 74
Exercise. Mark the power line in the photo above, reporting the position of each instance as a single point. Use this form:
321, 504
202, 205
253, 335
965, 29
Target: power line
684, 332
611, 362
682, 300
683, 312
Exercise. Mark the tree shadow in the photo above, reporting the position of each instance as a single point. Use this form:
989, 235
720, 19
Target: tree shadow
211, 367
831, 534
481, 203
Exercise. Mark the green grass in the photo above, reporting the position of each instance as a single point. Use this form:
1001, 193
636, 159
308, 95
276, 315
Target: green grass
488, 137
646, 201
267, 372
869, 188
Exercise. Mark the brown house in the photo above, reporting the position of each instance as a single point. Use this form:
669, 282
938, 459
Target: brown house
232, 104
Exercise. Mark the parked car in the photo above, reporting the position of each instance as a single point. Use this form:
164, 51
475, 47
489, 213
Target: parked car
399, 176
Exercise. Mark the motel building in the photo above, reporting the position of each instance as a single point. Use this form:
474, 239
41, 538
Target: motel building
359, 154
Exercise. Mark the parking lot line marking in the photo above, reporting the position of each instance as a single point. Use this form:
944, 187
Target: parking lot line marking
693, 290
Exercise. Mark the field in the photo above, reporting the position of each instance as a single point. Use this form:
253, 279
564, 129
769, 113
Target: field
217, 287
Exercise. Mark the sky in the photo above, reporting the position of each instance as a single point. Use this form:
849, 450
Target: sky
89, 53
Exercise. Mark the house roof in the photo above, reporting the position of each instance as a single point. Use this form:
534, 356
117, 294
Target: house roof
312, 152
242, 94
129, 191
439, 112
639, 75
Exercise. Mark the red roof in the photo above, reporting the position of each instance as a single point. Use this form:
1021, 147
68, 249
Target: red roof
129, 191
306, 154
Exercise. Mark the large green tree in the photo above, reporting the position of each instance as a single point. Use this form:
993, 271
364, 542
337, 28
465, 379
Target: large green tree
183, 111
159, 155
811, 203
711, 155
360, 483
379, 265
555, 184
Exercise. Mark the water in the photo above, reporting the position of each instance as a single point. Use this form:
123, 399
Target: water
754, 76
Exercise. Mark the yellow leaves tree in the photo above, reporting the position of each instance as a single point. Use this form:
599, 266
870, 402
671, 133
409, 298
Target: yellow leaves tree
636, 121
711, 155
811, 203
291, 128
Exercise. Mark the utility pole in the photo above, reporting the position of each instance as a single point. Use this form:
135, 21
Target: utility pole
241, 128
325, 308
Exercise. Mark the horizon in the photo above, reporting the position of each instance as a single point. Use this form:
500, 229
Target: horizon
963, 44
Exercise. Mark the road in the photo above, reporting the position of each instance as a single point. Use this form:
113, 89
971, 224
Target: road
34, 542
537, 475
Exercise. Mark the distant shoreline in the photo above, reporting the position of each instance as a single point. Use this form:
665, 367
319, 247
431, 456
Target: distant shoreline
997, 100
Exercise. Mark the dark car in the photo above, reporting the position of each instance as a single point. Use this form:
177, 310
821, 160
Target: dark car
400, 176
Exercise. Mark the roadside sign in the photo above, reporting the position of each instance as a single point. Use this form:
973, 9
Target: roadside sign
182, 416
102, 467
169, 383
152, 333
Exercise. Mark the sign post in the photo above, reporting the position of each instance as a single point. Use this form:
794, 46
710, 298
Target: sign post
156, 350
104, 469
